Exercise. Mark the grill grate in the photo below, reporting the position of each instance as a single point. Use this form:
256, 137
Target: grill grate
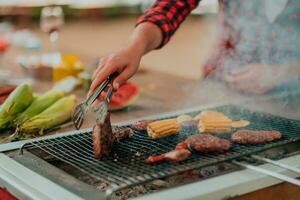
127, 168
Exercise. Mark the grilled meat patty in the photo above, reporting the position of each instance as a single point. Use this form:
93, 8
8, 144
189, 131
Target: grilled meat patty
207, 143
255, 137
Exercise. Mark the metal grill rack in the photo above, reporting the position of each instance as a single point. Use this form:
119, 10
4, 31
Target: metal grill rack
127, 168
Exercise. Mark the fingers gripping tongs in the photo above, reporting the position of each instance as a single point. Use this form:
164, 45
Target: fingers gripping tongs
82, 108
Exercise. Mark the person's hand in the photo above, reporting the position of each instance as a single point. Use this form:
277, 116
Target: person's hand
255, 78
125, 61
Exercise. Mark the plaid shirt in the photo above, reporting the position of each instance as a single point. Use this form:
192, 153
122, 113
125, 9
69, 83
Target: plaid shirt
168, 15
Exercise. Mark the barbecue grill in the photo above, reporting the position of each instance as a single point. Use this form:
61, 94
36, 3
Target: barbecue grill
127, 168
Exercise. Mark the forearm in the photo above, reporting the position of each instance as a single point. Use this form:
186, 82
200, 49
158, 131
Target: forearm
167, 15
145, 37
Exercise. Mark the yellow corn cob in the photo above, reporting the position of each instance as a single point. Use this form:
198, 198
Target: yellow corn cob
214, 129
163, 128
216, 122
38, 105
16, 103
56, 114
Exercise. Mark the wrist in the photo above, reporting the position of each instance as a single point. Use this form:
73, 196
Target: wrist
146, 37
138, 46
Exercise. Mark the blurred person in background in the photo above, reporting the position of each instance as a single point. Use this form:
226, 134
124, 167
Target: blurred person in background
257, 49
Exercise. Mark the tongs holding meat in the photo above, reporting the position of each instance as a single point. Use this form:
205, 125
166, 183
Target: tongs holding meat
82, 108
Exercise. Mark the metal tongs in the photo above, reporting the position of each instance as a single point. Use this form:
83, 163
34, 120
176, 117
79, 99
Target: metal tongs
82, 108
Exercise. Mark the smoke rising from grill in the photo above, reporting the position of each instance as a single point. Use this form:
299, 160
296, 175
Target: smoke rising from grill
263, 65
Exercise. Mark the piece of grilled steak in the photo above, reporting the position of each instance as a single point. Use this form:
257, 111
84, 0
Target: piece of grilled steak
255, 137
206, 143
104, 137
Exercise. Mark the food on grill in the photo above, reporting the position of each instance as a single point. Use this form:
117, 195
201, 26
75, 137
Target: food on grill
16, 102
216, 122
38, 105
122, 133
206, 143
123, 97
255, 137
57, 114
163, 128
184, 118
213, 128
212, 116
172, 156
141, 125
240, 123
103, 138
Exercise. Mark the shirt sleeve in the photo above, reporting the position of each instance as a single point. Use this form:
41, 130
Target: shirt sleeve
168, 15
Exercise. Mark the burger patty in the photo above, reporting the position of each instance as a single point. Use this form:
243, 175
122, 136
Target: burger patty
207, 143
255, 137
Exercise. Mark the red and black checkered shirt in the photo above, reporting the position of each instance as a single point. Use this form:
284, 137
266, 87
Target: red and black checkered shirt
168, 15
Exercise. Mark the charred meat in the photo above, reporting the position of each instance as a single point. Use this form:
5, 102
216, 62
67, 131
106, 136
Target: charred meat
255, 137
200, 142
121, 133
104, 137
206, 143
172, 156
141, 125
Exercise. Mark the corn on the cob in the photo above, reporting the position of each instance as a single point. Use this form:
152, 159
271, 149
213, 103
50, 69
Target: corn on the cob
163, 128
56, 114
38, 105
216, 122
213, 128
16, 103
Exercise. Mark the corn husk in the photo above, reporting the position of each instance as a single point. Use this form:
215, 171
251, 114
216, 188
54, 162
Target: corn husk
57, 114
16, 103
41, 103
